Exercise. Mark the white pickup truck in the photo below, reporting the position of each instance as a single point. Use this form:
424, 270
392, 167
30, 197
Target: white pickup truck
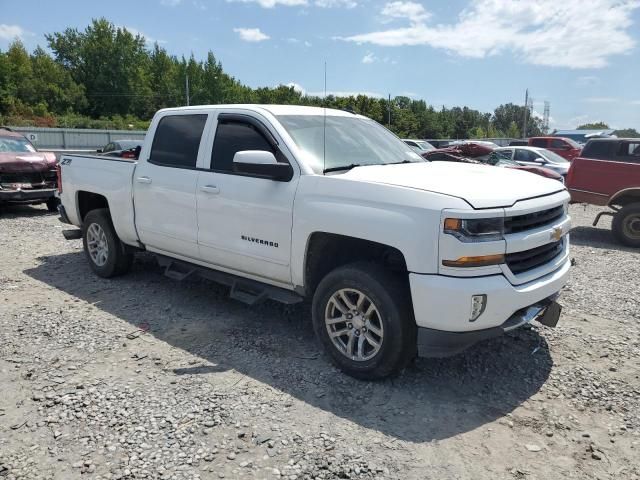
399, 256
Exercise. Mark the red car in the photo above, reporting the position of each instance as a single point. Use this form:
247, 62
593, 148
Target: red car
608, 174
479, 153
26, 175
565, 147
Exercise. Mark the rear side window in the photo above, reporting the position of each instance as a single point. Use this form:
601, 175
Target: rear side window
599, 150
232, 137
558, 144
524, 155
539, 142
177, 140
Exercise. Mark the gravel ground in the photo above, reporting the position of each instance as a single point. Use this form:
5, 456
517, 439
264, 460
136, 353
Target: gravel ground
144, 377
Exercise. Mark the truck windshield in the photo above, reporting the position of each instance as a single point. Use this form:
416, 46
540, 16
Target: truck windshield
348, 141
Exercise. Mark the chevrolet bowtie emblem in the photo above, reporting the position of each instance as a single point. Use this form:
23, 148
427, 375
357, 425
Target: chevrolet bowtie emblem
556, 234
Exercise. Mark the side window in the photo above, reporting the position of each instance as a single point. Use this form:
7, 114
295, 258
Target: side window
232, 137
631, 151
599, 150
109, 148
557, 143
539, 142
522, 155
177, 140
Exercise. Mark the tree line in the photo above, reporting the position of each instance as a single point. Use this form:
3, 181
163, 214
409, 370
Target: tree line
107, 77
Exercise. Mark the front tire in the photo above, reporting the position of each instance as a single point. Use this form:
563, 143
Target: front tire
105, 252
626, 225
362, 316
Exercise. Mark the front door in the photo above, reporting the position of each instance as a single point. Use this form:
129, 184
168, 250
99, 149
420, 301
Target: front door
245, 221
164, 186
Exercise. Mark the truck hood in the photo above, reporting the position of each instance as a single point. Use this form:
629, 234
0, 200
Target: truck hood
26, 162
482, 186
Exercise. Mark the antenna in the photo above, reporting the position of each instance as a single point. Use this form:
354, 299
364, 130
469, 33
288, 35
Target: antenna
324, 121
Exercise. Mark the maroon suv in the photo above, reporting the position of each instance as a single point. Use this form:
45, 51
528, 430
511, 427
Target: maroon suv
26, 175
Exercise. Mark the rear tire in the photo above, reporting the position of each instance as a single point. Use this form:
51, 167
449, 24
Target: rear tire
105, 252
626, 225
379, 336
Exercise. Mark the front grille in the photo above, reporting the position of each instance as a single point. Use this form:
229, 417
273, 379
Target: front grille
35, 179
521, 223
520, 262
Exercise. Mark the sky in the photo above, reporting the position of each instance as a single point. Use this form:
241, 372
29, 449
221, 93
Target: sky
582, 56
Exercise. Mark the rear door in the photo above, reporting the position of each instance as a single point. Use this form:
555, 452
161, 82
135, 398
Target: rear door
245, 221
164, 186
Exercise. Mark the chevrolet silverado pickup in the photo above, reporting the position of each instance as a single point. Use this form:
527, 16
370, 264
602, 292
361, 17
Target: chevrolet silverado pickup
398, 256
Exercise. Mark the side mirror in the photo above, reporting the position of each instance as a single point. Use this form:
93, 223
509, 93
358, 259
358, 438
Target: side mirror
99, 150
261, 164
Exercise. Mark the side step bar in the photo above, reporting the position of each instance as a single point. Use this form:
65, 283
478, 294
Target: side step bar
244, 290
72, 234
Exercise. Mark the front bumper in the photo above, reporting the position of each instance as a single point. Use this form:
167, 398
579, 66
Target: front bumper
436, 343
21, 196
442, 306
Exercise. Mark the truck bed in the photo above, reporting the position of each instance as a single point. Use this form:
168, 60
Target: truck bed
97, 175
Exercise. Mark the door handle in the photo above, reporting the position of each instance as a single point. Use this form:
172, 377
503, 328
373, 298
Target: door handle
210, 189
143, 180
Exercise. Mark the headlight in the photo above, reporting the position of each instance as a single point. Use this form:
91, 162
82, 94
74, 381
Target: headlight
476, 229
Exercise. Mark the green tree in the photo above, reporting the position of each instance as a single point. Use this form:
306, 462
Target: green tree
593, 126
627, 133
513, 131
509, 113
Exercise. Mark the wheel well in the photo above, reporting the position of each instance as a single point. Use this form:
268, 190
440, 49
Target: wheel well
88, 201
625, 197
327, 251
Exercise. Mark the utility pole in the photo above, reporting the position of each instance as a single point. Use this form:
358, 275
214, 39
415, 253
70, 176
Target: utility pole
526, 107
187, 88
389, 113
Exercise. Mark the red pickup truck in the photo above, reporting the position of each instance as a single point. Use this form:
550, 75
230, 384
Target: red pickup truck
607, 173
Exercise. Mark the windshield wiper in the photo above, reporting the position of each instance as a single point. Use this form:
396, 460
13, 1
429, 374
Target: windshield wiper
398, 163
341, 168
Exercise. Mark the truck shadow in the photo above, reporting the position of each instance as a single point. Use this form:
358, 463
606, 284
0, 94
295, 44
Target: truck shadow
20, 211
274, 344
597, 238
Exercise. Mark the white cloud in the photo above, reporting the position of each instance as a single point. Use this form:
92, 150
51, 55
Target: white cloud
369, 58
297, 3
199, 5
601, 100
296, 86
412, 11
11, 32
336, 3
251, 34
546, 32
170, 3
273, 3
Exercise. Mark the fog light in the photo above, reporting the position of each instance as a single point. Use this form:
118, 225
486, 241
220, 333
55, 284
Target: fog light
478, 304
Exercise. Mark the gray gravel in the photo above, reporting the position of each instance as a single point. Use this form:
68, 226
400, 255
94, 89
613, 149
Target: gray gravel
143, 377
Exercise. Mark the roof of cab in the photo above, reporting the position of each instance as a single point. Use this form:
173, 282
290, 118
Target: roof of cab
273, 109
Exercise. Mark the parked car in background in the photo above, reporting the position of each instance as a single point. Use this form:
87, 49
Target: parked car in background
27, 176
518, 143
122, 148
583, 136
607, 173
501, 158
565, 147
438, 143
419, 146
535, 157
